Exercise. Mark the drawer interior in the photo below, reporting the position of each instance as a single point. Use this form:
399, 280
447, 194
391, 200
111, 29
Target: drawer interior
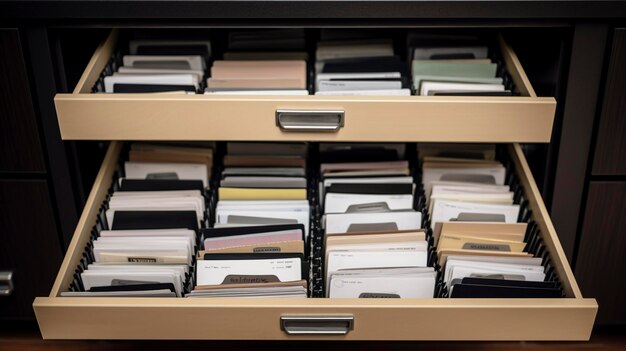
223, 49
90, 114
314, 255
541, 238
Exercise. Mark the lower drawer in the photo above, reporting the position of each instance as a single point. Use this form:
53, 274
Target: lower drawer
569, 318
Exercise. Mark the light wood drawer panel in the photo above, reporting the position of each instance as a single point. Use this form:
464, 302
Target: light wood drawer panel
83, 115
259, 319
569, 318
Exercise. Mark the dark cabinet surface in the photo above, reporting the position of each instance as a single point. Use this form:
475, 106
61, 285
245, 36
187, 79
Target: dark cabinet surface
610, 154
29, 244
601, 264
29, 234
601, 259
19, 139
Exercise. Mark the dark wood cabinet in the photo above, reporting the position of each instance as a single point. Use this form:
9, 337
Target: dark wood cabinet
19, 137
601, 263
610, 154
601, 260
29, 233
29, 244
584, 175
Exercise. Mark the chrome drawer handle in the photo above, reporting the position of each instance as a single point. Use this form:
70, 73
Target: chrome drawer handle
6, 283
310, 120
317, 325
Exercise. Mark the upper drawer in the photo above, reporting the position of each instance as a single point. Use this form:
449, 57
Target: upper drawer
88, 116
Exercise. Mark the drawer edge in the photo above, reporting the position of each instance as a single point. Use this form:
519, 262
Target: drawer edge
97, 63
543, 319
453, 119
542, 217
515, 69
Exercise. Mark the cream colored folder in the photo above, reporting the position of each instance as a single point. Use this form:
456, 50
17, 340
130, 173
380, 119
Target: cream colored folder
443, 254
491, 230
261, 194
247, 83
454, 242
141, 257
170, 157
294, 246
437, 159
283, 69
492, 199
374, 237
368, 173
252, 285
263, 161
461, 165
265, 55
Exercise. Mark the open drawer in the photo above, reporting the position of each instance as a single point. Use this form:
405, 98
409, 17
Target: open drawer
84, 115
568, 318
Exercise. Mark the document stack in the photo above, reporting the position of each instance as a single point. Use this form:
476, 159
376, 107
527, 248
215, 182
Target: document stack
271, 62
152, 66
257, 245
359, 67
374, 245
148, 245
454, 66
480, 241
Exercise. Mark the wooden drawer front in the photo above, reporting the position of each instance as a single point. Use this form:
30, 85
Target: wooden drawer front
86, 116
259, 319
569, 318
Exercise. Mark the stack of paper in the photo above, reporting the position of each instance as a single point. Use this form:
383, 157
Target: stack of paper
263, 184
271, 62
138, 257
257, 245
297, 288
359, 67
479, 242
374, 246
252, 261
277, 77
150, 167
161, 66
153, 219
453, 65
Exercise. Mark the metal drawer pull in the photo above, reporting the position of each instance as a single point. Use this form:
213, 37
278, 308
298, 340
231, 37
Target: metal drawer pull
310, 120
6, 283
316, 325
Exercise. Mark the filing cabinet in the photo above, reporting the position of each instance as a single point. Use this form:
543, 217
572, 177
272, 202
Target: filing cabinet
123, 117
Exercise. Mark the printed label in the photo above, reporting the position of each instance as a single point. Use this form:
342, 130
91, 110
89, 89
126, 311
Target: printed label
142, 259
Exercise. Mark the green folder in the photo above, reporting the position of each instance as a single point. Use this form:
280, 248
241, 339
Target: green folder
417, 80
434, 68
